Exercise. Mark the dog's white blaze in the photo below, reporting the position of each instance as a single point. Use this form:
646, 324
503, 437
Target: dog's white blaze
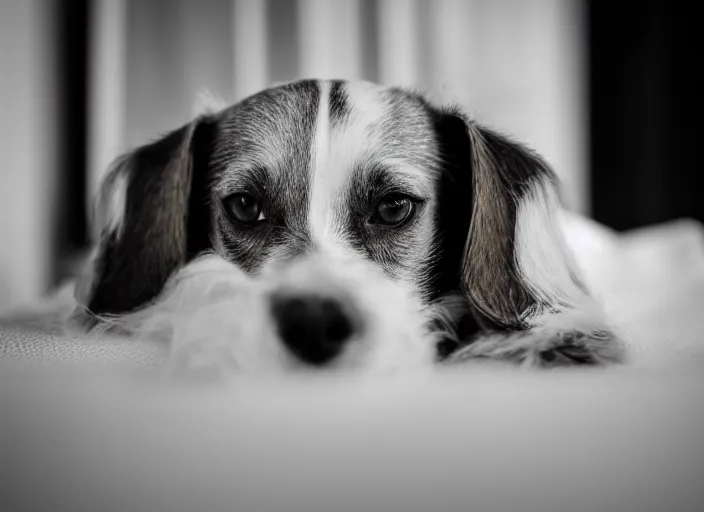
324, 178
544, 260
336, 152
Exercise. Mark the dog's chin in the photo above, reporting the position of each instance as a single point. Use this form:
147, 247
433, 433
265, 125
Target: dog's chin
218, 322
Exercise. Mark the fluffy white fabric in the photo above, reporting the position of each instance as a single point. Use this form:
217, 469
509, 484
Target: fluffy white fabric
651, 284
622, 438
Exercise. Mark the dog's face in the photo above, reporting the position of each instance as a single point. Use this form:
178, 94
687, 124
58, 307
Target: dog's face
327, 167
346, 173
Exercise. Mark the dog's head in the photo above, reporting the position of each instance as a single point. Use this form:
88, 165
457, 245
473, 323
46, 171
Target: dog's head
339, 171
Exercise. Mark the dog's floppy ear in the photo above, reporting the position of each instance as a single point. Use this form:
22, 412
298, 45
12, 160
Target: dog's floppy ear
147, 209
501, 219
508, 243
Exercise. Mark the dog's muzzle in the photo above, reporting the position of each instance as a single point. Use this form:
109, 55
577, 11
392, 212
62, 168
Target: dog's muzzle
314, 328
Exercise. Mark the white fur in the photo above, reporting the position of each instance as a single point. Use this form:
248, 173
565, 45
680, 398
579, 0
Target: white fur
544, 261
356, 142
112, 202
328, 176
217, 321
360, 142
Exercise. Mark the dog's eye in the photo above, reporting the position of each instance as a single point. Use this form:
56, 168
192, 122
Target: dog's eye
394, 211
243, 207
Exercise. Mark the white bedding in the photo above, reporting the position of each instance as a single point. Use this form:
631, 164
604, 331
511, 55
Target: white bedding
651, 283
477, 438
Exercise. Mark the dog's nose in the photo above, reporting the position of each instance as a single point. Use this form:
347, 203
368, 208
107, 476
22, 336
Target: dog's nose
314, 328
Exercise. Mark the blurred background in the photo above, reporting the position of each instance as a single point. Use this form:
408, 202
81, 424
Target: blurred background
606, 91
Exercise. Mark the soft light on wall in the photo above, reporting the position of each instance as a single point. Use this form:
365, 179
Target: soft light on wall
29, 147
515, 64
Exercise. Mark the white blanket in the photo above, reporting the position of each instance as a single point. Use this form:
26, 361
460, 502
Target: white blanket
651, 283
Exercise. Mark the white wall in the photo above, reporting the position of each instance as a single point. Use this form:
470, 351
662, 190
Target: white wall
518, 66
28, 148
514, 64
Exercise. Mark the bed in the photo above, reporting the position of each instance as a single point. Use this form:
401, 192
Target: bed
86, 424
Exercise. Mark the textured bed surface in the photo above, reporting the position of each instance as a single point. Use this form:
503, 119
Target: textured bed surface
22, 339
477, 438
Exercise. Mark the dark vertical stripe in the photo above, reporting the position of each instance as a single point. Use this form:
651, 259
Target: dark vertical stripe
339, 106
426, 45
70, 219
645, 113
369, 13
282, 31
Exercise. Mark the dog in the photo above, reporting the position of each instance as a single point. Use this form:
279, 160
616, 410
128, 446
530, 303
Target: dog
329, 224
